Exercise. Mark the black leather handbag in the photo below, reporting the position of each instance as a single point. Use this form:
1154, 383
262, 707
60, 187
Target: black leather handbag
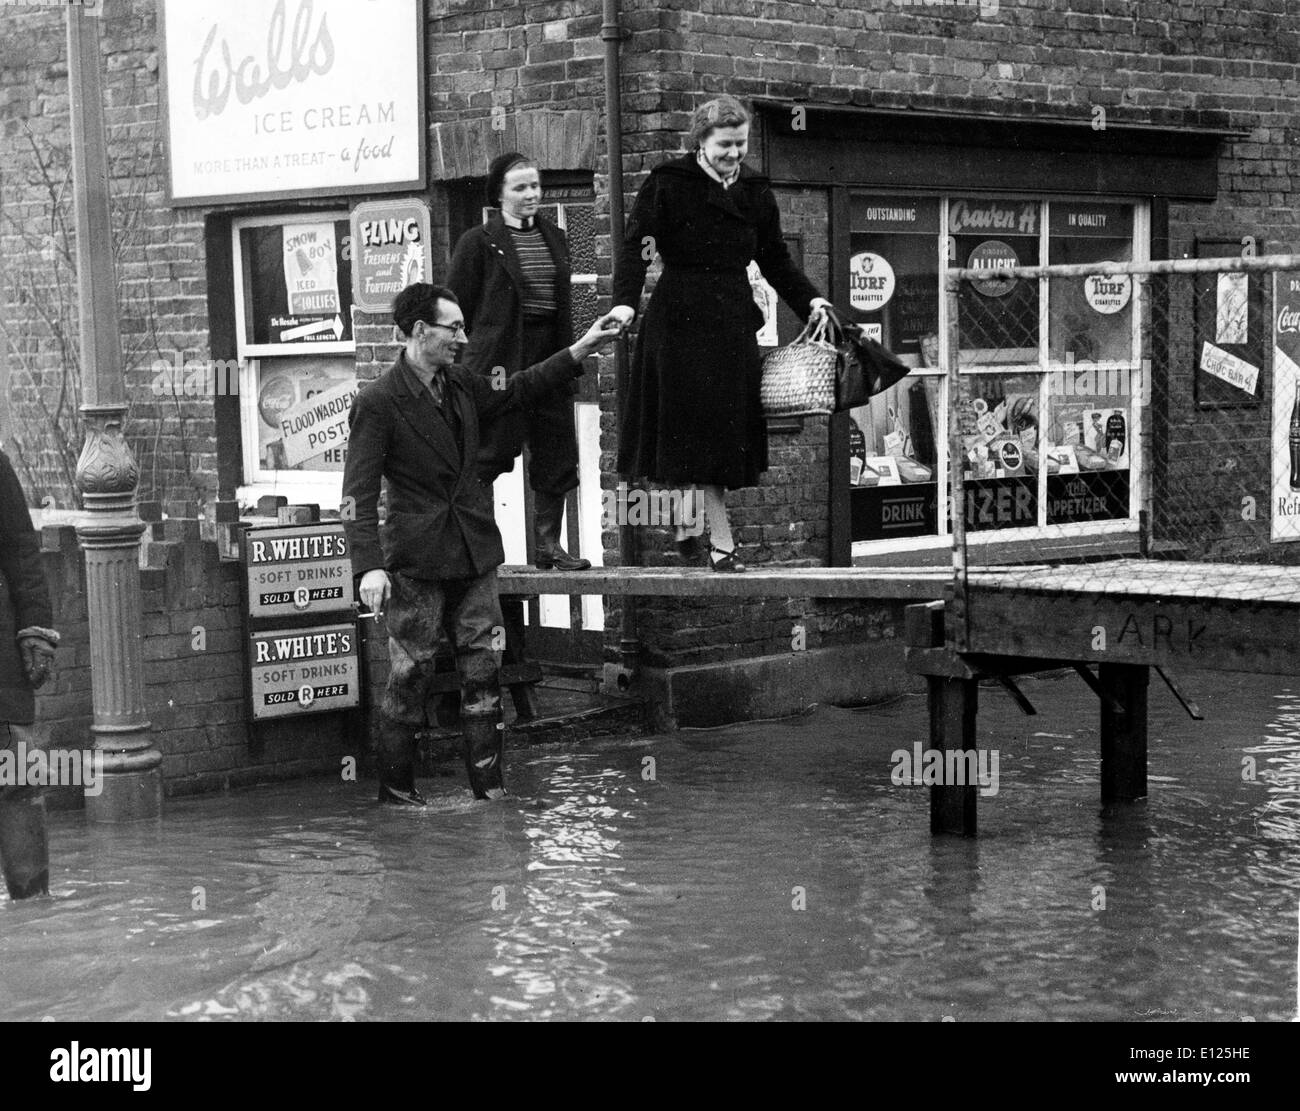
866, 369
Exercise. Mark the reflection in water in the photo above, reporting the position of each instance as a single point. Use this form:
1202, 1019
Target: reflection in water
1277, 762
550, 955
766, 871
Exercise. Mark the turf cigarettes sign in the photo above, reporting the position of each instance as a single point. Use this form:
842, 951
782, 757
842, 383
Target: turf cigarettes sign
296, 671
293, 98
304, 569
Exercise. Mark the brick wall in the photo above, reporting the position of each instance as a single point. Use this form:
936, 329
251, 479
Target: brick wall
194, 697
160, 269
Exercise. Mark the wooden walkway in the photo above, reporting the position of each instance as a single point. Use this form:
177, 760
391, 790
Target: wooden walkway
914, 583
1112, 623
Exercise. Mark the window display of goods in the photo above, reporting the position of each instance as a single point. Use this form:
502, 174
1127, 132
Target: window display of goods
909, 470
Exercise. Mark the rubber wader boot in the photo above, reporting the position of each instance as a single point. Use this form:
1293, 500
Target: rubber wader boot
548, 516
396, 760
483, 737
24, 850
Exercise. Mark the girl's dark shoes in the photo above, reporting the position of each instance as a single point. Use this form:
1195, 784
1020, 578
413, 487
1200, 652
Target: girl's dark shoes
725, 562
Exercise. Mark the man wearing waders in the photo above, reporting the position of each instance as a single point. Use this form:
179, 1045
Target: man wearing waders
26, 653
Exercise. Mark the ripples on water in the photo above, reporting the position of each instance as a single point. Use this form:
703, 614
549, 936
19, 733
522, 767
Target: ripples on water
602, 893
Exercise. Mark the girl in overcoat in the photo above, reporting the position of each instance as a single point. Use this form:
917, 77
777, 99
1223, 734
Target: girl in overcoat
511, 276
692, 416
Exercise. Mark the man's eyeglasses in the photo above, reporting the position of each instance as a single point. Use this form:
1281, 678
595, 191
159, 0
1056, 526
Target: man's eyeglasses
454, 329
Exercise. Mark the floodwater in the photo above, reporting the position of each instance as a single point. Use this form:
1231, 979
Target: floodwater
771, 870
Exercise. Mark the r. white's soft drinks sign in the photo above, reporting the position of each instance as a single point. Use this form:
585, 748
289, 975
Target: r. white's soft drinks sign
1285, 508
292, 98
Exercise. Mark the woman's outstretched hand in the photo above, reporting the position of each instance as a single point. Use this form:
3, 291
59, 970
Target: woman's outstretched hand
620, 316
602, 333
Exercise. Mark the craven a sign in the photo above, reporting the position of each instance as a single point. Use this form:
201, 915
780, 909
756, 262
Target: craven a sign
293, 98
303, 569
304, 670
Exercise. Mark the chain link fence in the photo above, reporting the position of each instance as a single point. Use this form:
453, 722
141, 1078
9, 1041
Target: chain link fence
1127, 427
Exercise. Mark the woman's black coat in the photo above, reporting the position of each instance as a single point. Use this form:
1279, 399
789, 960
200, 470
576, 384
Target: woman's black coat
692, 412
24, 599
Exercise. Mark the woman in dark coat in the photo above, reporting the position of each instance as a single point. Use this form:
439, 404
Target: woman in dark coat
26, 652
511, 276
692, 415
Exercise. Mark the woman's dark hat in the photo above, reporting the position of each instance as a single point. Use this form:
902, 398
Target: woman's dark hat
500, 166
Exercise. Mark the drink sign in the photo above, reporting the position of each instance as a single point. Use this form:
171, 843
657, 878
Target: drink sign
306, 670
871, 281
303, 569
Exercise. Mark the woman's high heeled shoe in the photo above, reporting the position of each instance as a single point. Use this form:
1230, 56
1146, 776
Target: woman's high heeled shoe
728, 564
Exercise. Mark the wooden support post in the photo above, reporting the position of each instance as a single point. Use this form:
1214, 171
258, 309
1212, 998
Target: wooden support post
512, 613
954, 704
1124, 731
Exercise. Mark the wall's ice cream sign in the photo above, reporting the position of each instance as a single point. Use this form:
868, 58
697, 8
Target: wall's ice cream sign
292, 98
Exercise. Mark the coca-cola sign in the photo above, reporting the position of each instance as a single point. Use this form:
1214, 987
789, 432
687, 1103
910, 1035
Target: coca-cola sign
1286, 315
293, 98
1284, 504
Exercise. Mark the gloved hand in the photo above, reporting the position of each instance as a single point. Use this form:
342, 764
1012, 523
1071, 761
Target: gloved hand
37, 651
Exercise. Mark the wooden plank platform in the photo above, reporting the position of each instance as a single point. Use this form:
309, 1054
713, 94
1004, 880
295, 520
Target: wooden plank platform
912, 583
1229, 617
1239, 582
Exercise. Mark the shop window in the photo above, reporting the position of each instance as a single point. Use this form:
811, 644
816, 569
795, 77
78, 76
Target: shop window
1048, 412
293, 300
999, 316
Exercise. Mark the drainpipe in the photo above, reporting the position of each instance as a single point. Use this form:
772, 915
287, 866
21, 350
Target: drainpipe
629, 645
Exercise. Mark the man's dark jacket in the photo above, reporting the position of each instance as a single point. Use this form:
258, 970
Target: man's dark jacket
440, 522
24, 599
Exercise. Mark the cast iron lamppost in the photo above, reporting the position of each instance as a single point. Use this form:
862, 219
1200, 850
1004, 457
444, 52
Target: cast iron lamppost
109, 529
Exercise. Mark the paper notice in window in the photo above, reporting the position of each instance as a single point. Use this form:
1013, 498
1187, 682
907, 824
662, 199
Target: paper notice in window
311, 273
1230, 319
318, 424
1236, 372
